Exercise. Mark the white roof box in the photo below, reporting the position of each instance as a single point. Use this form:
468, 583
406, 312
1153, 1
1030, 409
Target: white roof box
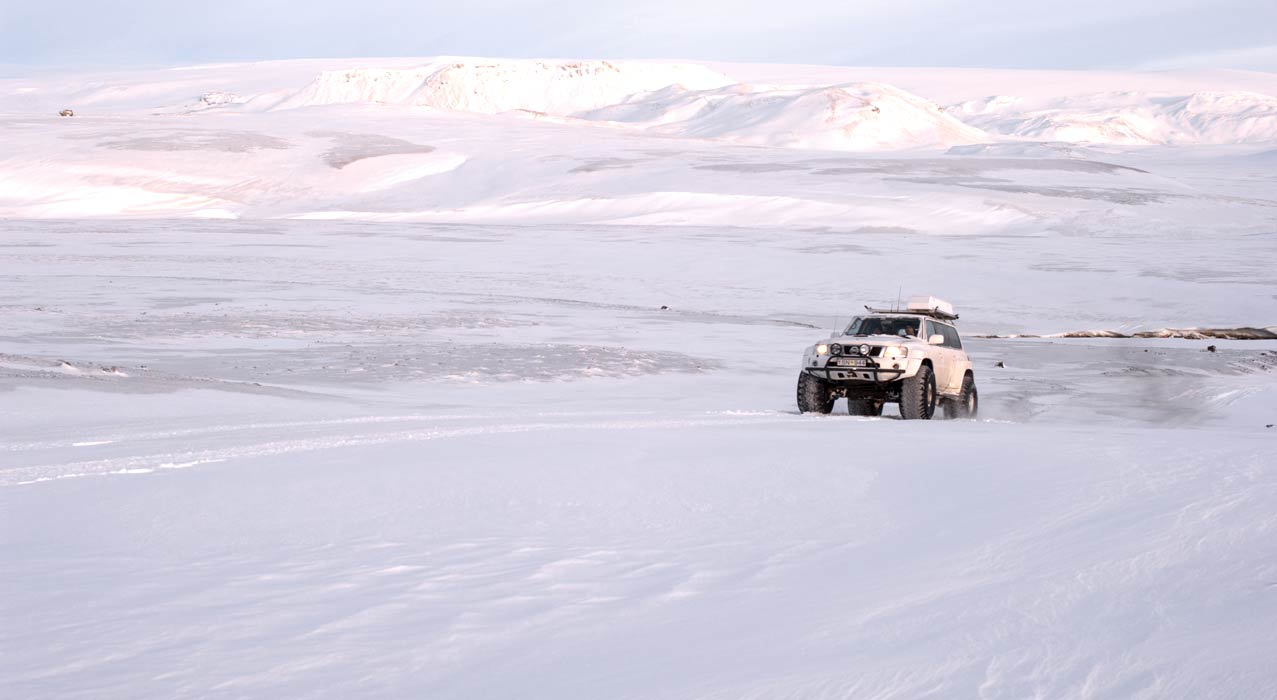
931, 305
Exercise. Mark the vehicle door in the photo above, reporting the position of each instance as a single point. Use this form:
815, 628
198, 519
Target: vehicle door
953, 344
941, 357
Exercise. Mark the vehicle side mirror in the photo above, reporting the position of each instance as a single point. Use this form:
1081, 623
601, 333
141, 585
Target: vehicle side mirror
936, 339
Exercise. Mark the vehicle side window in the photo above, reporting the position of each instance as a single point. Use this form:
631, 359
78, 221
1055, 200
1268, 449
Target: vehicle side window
931, 330
951, 339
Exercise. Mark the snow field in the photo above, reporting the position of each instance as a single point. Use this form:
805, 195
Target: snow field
207, 523
745, 559
377, 384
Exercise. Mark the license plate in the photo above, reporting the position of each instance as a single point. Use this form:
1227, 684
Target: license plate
853, 362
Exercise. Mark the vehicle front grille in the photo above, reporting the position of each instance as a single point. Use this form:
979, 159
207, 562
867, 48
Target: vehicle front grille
854, 349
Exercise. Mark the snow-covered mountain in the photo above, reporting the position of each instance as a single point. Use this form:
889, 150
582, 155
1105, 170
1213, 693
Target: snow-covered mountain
460, 139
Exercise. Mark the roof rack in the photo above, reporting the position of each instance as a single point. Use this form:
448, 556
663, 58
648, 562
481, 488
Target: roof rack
933, 313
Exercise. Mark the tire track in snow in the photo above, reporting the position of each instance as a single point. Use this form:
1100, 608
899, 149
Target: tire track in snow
144, 464
243, 427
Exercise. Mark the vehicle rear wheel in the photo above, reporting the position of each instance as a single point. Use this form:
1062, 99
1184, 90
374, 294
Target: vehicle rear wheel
967, 403
864, 407
918, 395
814, 396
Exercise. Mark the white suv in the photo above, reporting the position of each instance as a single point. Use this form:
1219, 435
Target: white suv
912, 357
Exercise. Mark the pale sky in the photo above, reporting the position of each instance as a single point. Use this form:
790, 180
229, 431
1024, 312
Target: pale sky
1149, 34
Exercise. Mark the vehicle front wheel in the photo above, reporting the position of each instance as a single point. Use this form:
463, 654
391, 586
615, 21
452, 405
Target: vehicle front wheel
814, 396
967, 403
918, 395
864, 407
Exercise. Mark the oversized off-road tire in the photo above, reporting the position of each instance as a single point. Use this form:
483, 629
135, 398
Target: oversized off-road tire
967, 403
814, 396
864, 407
918, 395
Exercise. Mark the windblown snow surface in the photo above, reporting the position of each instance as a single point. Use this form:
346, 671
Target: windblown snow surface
458, 378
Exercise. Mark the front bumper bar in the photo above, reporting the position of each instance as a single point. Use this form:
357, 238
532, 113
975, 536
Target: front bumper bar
870, 373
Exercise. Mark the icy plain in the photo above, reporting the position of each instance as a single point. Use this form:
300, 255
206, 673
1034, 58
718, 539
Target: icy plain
461, 379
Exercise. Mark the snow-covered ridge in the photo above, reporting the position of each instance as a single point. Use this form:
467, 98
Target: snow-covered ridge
678, 99
1244, 333
1130, 118
797, 107
851, 117
493, 87
381, 86
694, 100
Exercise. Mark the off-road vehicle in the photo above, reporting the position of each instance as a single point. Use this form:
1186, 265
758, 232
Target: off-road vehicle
912, 357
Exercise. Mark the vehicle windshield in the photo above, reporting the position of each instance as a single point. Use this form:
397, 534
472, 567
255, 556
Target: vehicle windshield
884, 325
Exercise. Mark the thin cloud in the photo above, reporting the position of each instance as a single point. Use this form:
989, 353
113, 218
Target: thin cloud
1260, 58
1024, 34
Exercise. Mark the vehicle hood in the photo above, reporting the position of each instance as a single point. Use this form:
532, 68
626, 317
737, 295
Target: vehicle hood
873, 340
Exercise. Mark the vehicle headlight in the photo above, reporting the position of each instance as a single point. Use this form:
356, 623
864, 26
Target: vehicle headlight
822, 349
895, 351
